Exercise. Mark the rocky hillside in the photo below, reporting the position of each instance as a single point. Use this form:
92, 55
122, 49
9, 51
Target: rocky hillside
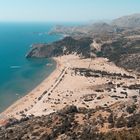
74, 123
124, 52
130, 21
68, 45
119, 42
99, 27
89, 30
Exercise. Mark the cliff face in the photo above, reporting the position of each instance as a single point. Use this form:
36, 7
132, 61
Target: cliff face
74, 123
68, 45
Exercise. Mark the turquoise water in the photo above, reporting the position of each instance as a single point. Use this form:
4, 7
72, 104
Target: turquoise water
19, 75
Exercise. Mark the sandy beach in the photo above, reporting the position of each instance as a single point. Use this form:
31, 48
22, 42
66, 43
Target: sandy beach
81, 82
31, 98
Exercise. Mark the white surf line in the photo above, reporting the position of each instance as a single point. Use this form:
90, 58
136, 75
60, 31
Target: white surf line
15, 67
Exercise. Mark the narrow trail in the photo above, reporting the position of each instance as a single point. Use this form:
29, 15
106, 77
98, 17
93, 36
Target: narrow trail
52, 87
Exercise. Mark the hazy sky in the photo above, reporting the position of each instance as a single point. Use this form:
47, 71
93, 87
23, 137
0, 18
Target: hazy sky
66, 10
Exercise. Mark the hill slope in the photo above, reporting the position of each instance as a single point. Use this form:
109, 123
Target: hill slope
68, 45
132, 21
74, 123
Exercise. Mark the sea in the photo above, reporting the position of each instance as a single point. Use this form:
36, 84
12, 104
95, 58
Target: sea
19, 75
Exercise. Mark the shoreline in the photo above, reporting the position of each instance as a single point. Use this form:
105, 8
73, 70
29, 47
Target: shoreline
33, 95
79, 82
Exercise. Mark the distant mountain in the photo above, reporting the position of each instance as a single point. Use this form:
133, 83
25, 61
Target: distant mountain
89, 30
128, 21
118, 43
101, 27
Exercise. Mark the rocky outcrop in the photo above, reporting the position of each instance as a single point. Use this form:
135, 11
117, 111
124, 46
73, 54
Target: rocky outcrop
68, 45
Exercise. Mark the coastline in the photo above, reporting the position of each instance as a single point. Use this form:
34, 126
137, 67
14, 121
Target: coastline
79, 82
27, 101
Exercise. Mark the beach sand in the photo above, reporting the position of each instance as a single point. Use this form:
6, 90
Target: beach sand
28, 101
65, 86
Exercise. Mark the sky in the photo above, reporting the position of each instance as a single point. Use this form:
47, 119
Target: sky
66, 10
